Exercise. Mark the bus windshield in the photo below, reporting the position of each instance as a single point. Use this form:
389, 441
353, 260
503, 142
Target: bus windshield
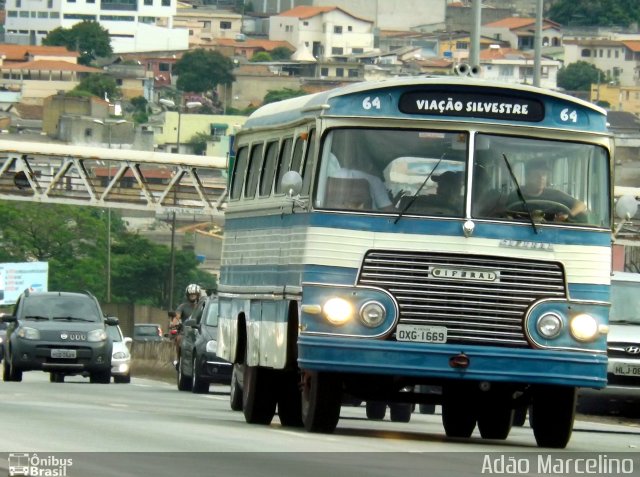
423, 172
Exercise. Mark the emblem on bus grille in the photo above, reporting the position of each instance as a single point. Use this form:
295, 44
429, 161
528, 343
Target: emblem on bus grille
632, 349
466, 274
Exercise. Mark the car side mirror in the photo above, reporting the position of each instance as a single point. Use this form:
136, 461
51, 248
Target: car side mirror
112, 321
8, 319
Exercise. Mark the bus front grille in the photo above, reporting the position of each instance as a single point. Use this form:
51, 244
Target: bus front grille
479, 299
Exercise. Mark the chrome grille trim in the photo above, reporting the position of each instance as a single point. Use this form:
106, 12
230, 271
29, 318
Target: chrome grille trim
474, 311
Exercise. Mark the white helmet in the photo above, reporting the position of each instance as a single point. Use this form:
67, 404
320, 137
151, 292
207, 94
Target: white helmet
192, 289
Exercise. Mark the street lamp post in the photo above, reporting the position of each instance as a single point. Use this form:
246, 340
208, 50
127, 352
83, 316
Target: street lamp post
109, 124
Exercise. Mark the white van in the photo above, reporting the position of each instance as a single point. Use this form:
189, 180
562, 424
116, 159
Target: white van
623, 341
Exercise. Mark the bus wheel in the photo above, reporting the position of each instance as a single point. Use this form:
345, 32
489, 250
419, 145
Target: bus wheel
376, 410
458, 414
495, 417
235, 393
519, 416
321, 400
400, 412
258, 395
553, 409
290, 400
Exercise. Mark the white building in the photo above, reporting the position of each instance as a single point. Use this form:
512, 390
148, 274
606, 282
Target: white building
325, 31
131, 23
507, 65
619, 60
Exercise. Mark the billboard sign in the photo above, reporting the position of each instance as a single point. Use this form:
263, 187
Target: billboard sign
17, 277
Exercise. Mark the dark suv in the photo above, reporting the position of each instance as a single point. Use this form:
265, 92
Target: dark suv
60, 333
198, 364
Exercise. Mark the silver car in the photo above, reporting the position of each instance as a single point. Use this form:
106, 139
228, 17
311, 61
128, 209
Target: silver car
121, 355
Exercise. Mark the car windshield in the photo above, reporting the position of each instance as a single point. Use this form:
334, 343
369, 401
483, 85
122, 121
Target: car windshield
211, 317
114, 333
625, 302
59, 306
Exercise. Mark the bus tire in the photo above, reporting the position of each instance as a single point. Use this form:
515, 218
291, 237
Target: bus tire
519, 416
458, 412
321, 401
376, 410
258, 396
553, 409
400, 412
290, 400
235, 393
495, 418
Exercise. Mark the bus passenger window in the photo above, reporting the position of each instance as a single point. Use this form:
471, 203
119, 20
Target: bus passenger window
254, 166
296, 160
239, 171
268, 169
283, 163
307, 167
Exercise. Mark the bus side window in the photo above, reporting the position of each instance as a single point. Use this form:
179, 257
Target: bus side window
268, 169
253, 168
283, 163
239, 171
307, 170
298, 150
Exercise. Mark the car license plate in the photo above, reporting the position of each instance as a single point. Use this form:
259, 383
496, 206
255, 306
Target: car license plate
626, 370
63, 353
421, 333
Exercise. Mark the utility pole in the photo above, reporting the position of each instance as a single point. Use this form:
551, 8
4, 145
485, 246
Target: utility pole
474, 54
537, 45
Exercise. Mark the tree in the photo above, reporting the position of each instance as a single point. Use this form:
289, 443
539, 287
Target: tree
278, 95
73, 240
579, 76
99, 85
589, 12
88, 38
202, 70
198, 143
260, 56
281, 53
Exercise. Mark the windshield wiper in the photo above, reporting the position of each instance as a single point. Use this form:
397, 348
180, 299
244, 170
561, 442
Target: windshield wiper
36, 317
623, 322
520, 194
415, 195
70, 318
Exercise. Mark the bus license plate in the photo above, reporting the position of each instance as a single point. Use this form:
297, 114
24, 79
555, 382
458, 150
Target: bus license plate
421, 333
626, 370
63, 353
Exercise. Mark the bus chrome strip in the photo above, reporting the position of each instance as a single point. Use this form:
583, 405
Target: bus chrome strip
474, 310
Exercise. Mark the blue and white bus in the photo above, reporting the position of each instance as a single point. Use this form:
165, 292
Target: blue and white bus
385, 236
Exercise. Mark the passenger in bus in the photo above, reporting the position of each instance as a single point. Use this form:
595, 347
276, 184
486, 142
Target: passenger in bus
379, 195
536, 189
449, 189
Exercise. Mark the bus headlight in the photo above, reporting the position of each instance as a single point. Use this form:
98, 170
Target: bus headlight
338, 311
584, 327
549, 325
372, 314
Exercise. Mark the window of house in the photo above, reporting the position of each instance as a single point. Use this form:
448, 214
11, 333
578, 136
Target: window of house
608, 52
585, 53
349, 28
166, 3
617, 53
119, 81
339, 72
239, 171
24, 14
88, 132
54, 15
288, 28
324, 71
544, 72
462, 45
12, 14
253, 168
164, 67
43, 14
336, 50
148, 3
269, 169
305, 23
18, 3
283, 163
337, 29
353, 73
601, 53
357, 51
225, 25
33, 14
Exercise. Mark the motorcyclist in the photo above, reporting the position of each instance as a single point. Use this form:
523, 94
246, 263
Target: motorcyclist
183, 312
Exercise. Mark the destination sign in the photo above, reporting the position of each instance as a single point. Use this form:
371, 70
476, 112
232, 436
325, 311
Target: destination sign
473, 105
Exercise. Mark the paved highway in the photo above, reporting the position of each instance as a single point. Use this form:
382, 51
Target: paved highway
149, 428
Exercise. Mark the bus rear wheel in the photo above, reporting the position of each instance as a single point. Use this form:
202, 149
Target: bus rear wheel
458, 412
495, 418
258, 396
290, 400
552, 412
321, 400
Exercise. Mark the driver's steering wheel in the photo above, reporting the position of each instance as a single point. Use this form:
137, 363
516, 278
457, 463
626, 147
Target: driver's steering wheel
549, 208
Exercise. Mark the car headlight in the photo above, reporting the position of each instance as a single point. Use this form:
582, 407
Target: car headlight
372, 314
97, 335
212, 346
584, 327
120, 355
29, 333
338, 311
549, 325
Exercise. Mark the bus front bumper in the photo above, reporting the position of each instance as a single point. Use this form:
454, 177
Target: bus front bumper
442, 361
